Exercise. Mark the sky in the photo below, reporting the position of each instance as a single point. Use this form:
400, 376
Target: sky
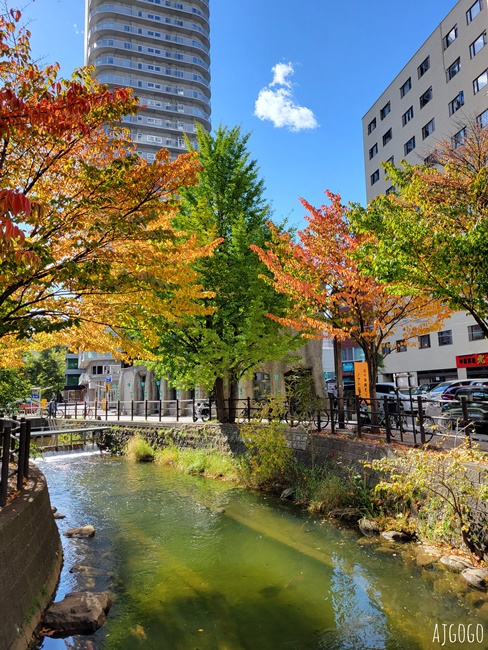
298, 77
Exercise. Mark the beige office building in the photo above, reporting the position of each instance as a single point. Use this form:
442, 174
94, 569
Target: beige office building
160, 49
441, 90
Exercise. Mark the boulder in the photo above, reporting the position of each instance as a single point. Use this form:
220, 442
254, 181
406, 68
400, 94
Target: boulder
83, 532
455, 563
395, 536
427, 555
477, 578
368, 527
81, 612
58, 515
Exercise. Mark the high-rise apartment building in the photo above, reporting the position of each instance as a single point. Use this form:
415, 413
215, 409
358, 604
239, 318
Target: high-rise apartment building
161, 49
437, 94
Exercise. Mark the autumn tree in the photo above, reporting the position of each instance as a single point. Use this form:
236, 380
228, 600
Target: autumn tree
227, 204
329, 293
431, 233
85, 223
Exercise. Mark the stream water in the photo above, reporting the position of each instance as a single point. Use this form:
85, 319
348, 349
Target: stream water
200, 564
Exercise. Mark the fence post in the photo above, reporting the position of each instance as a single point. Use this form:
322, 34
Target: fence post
210, 408
331, 406
160, 409
132, 410
421, 419
387, 418
5, 459
96, 409
21, 455
76, 409
65, 409
464, 405
193, 414
177, 410
145, 410
27, 447
118, 410
84, 410
358, 414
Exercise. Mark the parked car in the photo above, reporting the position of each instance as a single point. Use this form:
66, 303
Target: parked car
423, 389
450, 411
391, 390
438, 391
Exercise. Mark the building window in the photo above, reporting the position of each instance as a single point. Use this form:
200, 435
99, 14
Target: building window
473, 11
482, 119
406, 87
445, 337
424, 341
385, 110
407, 116
409, 146
426, 97
456, 103
375, 177
72, 364
373, 151
458, 138
480, 82
372, 126
400, 345
385, 349
478, 45
423, 67
450, 37
431, 160
428, 129
387, 137
453, 69
475, 333
390, 190
391, 160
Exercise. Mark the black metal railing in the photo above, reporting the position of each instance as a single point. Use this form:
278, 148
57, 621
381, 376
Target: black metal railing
14, 459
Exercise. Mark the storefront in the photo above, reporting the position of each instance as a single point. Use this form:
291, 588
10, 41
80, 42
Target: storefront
476, 365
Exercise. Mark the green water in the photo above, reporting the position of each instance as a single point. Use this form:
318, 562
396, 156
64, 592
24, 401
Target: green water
200, 564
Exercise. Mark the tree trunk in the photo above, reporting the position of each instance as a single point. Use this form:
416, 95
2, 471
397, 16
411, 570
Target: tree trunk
222, 415
339, 380
233, 398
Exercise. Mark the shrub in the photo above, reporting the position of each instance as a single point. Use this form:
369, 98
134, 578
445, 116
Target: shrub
439, 488
139, 450
213, 464
269, 460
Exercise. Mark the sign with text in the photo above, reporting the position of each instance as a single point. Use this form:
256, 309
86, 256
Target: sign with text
361, 379
472, 360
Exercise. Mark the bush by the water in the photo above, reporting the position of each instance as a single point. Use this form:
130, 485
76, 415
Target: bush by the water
139, 450
269, 461
213, 464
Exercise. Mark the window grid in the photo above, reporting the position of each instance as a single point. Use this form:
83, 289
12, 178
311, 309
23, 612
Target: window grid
428, 129
406, 87
426, 97
456, 103
409, 146
444, 338
423, 67
407, 116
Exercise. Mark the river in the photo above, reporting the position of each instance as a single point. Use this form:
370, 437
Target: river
201, 564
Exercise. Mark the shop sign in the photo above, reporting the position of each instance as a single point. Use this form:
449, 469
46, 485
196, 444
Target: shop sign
361, 379
472, 360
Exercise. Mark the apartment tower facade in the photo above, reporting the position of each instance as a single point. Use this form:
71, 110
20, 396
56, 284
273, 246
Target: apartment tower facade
160, 49
437, 94
440, 92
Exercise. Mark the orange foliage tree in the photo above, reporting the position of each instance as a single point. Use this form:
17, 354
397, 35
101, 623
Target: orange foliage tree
332, 297
85, 223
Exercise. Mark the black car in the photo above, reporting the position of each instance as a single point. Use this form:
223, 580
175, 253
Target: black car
477, 407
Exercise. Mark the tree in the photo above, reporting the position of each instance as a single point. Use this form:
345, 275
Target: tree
329, 293
430, 237
227, 204
85, 228
14, 386
45, 369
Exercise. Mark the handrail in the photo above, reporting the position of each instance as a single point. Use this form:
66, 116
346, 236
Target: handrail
15, 450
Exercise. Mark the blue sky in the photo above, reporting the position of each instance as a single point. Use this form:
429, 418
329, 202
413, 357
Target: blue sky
316, 68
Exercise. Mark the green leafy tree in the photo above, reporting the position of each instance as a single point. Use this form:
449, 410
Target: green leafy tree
45, 369
227, 204
14, 386
430, 236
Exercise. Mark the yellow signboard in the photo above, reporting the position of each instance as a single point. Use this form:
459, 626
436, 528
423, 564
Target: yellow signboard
361, 379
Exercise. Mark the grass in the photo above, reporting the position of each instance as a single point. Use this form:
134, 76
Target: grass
212, 464
139, 450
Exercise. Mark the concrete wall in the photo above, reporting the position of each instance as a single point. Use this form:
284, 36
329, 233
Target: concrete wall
30, 562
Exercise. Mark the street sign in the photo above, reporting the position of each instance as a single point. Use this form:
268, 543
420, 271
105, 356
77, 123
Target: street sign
361, 379
108, 379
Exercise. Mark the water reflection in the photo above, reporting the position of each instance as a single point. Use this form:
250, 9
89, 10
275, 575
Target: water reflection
202, 564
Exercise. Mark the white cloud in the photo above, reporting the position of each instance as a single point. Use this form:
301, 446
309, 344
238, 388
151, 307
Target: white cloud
279, 105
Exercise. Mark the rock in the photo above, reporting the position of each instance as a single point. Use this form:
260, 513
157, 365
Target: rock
53, 509
58, 515
81, 612
87, 570
427, 555
395, 536
83, 532
368, 527
455, 563
477, 578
